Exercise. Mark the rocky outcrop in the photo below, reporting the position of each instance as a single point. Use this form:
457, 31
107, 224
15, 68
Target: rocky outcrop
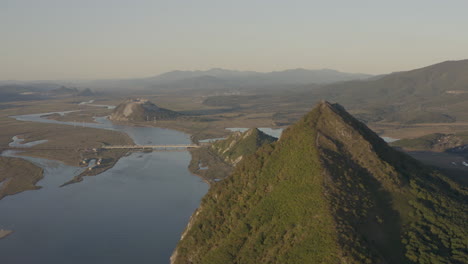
234, 148
141, 110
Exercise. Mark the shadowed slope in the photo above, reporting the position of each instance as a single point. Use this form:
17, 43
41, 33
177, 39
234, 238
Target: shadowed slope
329, 191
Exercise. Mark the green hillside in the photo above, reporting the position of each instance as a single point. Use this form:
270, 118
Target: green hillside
238, 144
329, 191
216, 161
433, 94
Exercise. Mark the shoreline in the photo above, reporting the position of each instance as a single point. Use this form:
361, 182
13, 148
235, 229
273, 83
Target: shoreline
30, 152
73, 159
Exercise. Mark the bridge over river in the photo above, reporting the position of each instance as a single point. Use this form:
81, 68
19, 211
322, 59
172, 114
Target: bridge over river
142, 147
156, 147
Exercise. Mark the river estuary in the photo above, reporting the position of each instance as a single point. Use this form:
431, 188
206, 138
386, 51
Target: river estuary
132, 213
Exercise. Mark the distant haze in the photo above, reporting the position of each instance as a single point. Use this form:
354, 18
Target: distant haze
107, 39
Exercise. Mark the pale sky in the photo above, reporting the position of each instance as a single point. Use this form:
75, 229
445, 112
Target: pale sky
96, 39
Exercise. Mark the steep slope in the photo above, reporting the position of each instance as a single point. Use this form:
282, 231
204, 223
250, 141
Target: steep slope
140, 110
329, 191
437, 93
216, 161
238, 145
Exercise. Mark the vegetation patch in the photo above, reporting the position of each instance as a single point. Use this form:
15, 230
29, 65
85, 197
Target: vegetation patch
330, 191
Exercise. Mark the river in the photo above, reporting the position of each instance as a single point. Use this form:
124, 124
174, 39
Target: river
132, 213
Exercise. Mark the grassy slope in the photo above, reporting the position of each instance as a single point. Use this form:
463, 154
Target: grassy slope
241, 144
267, 212
351, 199
219, 165
403, 203
416, 96
214, 167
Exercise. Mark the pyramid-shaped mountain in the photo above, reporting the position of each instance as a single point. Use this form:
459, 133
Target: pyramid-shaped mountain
329, 191
141, 110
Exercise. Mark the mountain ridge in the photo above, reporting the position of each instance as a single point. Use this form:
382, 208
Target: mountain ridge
292, 76
435, 93
240, 144
216, 161
329, 191
179, 79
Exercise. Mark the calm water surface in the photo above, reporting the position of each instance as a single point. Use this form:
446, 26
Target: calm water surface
132, 213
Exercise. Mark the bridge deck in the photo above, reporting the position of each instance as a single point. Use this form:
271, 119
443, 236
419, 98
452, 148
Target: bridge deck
149, 146
153, 147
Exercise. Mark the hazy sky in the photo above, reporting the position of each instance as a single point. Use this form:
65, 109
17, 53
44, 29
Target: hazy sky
92, 39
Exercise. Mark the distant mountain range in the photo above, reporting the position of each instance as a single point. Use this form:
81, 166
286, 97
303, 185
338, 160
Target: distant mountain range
433, 94
437, 93
214, 79
221, 80
293, 76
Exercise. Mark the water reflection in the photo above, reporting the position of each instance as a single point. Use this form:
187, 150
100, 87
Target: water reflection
132, 213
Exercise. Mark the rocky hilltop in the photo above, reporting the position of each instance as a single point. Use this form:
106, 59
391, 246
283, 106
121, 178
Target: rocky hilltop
141, 110
329, 191
238, 144
215, 162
